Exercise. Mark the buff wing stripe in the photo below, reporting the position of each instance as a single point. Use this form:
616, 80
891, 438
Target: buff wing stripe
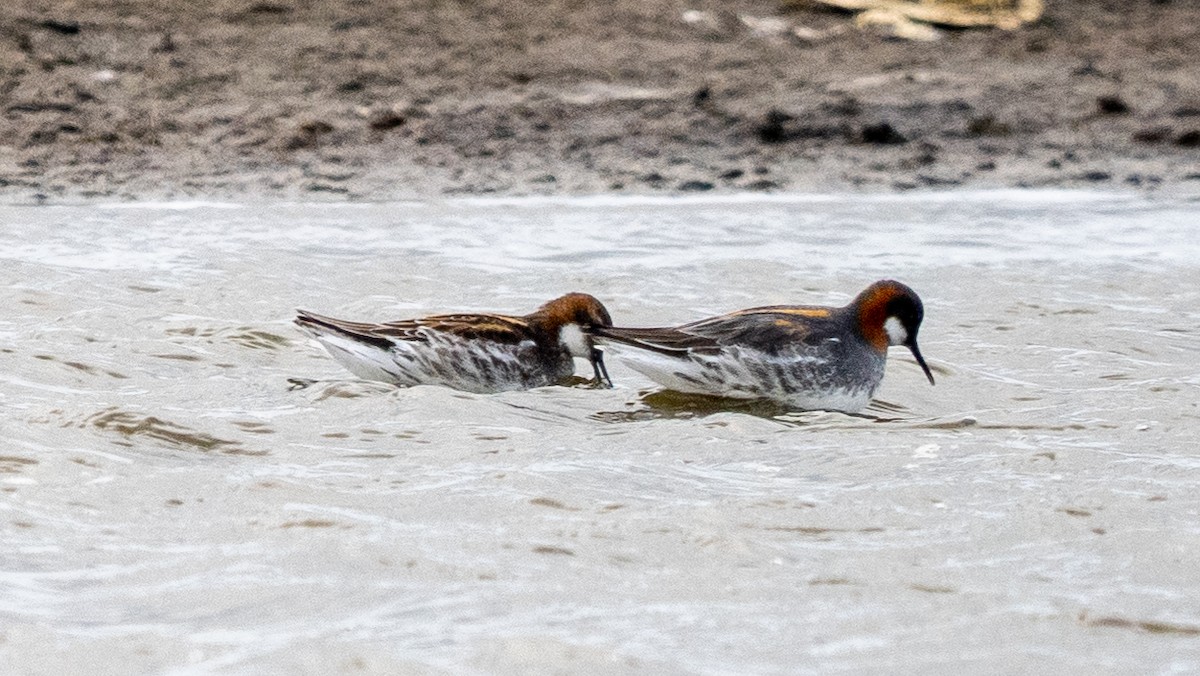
499, 328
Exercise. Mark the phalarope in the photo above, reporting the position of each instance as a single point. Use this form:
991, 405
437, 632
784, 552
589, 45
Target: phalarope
472, 352
803, 356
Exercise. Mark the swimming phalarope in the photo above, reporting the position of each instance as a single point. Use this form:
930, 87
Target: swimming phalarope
472, 352
802, 356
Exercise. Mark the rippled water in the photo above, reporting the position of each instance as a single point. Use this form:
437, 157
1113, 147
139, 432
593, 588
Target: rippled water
178, 496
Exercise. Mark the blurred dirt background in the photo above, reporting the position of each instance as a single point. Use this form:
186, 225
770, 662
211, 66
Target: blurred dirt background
367, 99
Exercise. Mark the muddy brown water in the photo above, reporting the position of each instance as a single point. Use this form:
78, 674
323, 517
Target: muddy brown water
189, 486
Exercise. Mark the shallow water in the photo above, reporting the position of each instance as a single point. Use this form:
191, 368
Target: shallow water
177, 496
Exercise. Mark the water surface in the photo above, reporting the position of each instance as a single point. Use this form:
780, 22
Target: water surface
178, 496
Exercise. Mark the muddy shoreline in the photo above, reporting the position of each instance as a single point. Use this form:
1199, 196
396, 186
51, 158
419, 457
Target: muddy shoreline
350, 100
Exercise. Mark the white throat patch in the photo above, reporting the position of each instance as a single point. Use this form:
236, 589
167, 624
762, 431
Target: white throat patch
571, 336
895, 331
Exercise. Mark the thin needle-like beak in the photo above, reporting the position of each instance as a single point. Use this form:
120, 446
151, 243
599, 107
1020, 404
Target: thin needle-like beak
599, 368
921, 360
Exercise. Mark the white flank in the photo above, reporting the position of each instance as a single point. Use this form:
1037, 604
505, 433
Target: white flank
675, 373
736, 380
362, 359
471, 366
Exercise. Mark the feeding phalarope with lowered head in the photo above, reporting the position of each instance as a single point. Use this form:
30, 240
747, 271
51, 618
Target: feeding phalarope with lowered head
472, 352
803, 356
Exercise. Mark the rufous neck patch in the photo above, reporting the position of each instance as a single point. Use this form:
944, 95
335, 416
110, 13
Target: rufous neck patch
872, 313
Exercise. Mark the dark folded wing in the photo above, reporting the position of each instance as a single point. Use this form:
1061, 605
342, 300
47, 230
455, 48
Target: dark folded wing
495, 328
768, 329
360, 331
665, 340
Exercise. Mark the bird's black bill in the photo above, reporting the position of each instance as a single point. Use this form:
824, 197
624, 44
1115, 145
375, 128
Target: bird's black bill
599, 368
921, 360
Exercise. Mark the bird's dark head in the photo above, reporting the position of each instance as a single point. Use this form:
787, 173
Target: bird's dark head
890, 313
573, 317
